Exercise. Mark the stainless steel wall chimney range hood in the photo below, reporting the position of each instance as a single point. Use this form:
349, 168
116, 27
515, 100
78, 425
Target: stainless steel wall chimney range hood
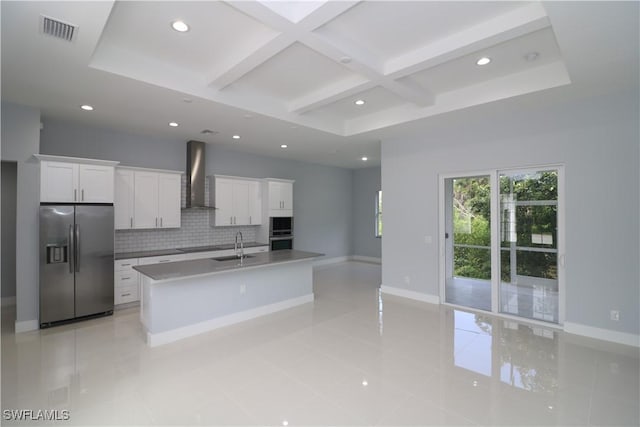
196, 176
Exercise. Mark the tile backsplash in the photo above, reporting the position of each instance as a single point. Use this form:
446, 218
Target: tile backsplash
194, 231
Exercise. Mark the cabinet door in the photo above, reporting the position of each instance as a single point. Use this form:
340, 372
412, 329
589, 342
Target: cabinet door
286, 195
58, 182
275, 201
224, 201
145, 207
255, 203
241, 212
169, 200
123, 199
95, 184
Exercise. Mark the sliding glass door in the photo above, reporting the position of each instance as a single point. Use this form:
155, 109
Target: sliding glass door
501, 247
529, 244
468, 241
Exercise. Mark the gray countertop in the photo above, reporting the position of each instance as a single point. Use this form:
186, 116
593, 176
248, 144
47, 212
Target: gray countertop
180, 251
198, 267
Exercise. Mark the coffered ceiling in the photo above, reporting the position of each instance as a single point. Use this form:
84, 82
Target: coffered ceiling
278, 72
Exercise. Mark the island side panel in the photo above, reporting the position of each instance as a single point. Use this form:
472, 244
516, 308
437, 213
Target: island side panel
179, 308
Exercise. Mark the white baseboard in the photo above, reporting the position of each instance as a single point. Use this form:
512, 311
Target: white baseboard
27, 325
602, 334
405, 293
328, 261
369, 259
8, 301
154, 340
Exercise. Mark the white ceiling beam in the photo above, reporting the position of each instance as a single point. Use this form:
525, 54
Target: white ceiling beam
326, 13
289, 33
232, 72
516, 23
410, 91
332, 93
238, 69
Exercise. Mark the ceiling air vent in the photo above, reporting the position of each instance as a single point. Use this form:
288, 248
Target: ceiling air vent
57, 28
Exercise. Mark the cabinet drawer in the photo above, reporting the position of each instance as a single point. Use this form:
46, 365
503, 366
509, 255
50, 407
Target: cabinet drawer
126, 278
125, 294
256, 249
160, 259
125, 264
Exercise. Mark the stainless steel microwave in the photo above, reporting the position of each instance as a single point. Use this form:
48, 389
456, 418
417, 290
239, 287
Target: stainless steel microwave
280, 226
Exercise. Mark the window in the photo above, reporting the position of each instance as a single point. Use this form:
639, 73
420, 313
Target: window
379, 213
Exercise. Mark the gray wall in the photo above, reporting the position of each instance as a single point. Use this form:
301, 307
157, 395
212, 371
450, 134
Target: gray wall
322, 199
321, 194
64, 138
598, 142
366, 183
8, 254
20, 140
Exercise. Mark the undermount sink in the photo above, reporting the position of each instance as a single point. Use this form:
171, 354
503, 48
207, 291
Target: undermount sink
231, 257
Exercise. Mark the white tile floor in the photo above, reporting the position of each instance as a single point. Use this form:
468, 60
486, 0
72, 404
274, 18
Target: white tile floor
350, 358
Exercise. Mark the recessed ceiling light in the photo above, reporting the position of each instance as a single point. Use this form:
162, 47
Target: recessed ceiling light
531, 56
86, 107
236, 137
365, 383
483, 61
173, 124
283, 146
364, 159
359, 102
345, 59
180, 26
285, 423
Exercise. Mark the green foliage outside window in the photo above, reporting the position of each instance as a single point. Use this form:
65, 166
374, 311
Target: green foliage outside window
379, 214
534, 225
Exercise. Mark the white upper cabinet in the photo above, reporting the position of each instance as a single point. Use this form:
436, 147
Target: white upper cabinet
237, 201
147, 198
74, 180
280, 197
169, 187
255, 203
96, 183
58, 182
145, 208
123, 199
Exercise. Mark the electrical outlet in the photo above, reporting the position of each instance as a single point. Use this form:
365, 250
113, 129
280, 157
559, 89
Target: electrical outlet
615, 315
243, 289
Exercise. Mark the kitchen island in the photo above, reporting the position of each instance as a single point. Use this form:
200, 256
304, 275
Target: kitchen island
185, 298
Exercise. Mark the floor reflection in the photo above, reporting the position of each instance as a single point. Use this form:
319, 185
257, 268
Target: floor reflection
353, 357
522, 356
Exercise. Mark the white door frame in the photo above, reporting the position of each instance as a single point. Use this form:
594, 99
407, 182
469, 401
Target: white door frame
495, 233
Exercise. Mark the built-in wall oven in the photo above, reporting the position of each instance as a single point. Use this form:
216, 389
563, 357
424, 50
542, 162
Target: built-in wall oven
281, 233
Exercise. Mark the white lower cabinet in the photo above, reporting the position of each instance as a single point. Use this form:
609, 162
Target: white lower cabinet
128, 282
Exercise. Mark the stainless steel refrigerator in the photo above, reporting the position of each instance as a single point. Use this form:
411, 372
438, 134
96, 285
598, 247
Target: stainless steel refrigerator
76, 262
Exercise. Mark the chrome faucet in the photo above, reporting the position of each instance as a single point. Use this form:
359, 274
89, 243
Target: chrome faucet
241, 255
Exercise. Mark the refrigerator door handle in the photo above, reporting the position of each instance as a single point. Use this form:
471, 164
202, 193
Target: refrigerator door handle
71, 249
77, 251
